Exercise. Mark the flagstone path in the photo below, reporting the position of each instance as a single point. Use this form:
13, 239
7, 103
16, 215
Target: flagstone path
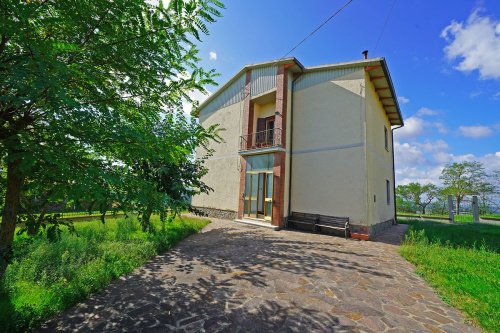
236, 278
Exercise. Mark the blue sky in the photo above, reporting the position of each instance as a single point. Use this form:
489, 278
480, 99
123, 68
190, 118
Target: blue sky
444, 59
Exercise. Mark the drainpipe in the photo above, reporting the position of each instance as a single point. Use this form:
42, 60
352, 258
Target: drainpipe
394, 172
291, 147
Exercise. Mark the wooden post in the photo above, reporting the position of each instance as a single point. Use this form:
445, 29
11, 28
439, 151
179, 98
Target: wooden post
475, 209
451, 211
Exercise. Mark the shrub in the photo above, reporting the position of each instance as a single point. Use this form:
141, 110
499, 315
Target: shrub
45, 278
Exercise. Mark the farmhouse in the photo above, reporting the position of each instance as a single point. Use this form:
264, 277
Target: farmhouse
314, 140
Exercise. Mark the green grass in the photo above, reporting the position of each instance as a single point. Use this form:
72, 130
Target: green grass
465, 218
462, 262
46, 278
493, 216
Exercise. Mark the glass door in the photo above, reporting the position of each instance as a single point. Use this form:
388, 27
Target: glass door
259, 194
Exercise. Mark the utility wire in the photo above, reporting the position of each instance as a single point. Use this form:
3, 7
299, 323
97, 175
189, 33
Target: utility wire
319, 27
384, 26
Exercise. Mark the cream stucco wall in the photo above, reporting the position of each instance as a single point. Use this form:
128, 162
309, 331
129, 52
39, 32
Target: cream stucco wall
378, 158
328, 158
223, 175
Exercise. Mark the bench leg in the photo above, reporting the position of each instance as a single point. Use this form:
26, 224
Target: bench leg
345, 232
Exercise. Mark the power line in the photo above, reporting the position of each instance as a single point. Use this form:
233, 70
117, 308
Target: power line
319, 27
384, 26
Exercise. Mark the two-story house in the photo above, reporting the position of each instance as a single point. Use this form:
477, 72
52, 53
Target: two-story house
306, 139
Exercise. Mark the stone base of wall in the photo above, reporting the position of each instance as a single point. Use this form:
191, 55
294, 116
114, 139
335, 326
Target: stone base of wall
372, 230
362, 229
379, 227
217, 213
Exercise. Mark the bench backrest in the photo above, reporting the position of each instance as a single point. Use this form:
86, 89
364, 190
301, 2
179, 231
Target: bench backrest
304, 216
333, 219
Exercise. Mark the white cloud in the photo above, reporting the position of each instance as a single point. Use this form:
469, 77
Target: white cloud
414, 127
496, 96
195, 96
213, 55
432, 146
475, 131
441, 128
408, 155
423, 162
426, 112
476, 45
403, 100
421, 175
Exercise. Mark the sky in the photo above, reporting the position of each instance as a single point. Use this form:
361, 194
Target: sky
443, 56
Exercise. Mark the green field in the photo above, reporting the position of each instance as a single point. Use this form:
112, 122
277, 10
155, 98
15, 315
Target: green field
462, 262
458, 218
45, 278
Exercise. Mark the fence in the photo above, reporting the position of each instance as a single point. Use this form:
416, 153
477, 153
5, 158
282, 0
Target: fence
446, 210
467, 212
84, 213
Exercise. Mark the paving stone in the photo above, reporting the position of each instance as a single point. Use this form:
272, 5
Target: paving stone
232, 278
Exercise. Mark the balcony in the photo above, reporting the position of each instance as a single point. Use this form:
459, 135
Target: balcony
260, 140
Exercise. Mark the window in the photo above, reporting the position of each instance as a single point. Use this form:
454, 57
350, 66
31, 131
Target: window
388, 191
386, 137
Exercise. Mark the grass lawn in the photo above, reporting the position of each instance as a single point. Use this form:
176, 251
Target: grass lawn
47, 278
465, 218
462, 262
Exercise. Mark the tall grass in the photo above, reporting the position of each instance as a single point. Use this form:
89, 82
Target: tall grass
45, 278
463, 263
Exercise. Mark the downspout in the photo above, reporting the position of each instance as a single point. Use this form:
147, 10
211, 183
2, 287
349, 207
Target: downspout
394, 173
291, 146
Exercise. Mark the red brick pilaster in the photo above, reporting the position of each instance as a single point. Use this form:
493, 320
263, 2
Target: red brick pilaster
280, 157
278, 189
247, 128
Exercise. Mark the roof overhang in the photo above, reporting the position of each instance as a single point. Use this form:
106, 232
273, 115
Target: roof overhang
378, 74
295, 66
376, 69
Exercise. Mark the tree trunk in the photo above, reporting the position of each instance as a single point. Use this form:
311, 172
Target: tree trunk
423, 210
146, 219
9, 218
458, 205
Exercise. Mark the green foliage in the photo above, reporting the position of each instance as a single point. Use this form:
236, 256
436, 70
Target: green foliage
463, 263
46, 277
464, 178
51, 224
88, 92
417, 194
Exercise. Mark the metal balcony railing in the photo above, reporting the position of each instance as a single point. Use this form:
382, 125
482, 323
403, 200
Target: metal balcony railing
263, 139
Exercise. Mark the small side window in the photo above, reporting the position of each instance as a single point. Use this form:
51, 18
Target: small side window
386, 137
388, 190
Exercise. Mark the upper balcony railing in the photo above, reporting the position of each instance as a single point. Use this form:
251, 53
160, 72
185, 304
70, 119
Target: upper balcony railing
259, 140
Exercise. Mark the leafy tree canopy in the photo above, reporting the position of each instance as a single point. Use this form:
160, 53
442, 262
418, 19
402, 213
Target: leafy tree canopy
464, 178
85, 87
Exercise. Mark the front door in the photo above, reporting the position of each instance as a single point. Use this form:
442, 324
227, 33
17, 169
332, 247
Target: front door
258, 195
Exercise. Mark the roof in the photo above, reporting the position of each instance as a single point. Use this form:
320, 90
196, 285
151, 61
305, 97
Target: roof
376, 68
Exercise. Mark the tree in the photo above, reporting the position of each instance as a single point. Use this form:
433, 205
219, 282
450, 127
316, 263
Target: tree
174, 174
488, 191
82, 86
420, 195
461, 179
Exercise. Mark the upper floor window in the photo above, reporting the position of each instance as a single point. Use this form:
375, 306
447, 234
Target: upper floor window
386, 138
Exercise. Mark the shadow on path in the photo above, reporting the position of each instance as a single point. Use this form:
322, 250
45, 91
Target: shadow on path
243, 279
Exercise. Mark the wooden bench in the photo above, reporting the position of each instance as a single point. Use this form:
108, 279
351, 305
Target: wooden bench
304, 219
333, 222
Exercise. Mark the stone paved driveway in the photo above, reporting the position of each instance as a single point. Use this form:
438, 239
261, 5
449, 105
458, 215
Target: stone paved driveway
234, 278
